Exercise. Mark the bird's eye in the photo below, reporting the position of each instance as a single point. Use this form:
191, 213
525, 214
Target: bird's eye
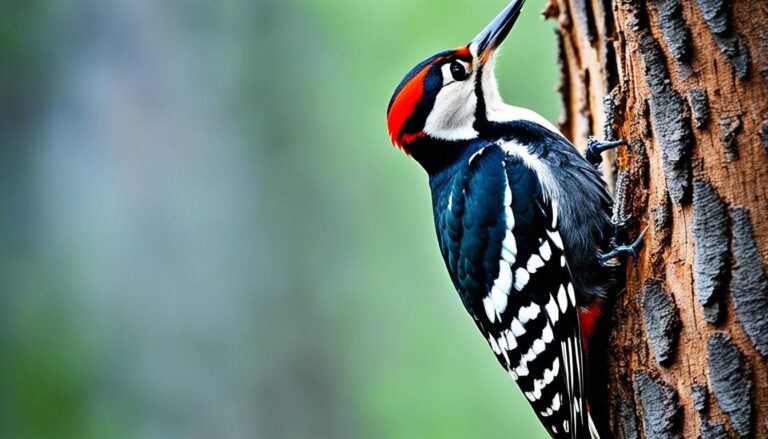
458, 71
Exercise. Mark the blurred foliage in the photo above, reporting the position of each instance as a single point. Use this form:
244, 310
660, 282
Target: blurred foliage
206, 232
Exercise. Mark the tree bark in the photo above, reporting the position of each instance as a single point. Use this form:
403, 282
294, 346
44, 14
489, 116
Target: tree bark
686, 83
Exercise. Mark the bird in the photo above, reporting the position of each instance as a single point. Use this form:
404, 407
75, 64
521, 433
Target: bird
523, 221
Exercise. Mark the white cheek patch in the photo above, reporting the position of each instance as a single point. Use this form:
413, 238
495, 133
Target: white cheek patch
453, 115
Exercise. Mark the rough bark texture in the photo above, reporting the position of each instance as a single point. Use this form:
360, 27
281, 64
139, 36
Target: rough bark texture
686, 82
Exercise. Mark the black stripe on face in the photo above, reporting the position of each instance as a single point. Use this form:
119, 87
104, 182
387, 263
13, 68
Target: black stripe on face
433, 83
481, 116
415, 71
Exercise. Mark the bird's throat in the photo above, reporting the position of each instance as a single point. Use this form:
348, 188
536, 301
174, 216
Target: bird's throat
436, 155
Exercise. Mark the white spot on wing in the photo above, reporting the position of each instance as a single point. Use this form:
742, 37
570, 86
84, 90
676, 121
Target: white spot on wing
494, 345
528, 313
556, 402
509, 218
545, 250
547, 379
556, 239
530, 355
509, 248
502, 341
553, 371
521, 278
517, 328
506, 357
571, 294
450, 201
499, 299
489, 310
546, 335
511, 341
551, 310
504, 281
562, 300
534, 263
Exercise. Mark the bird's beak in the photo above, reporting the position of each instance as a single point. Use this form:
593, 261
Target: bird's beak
487, 41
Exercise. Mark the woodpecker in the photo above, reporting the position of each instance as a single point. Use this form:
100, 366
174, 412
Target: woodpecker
522, 220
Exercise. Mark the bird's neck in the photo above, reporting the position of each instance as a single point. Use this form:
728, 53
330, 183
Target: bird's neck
494, 122
437, 155
498, 114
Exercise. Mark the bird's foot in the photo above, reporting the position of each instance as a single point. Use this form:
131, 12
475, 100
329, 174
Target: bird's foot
621, 250
596, 147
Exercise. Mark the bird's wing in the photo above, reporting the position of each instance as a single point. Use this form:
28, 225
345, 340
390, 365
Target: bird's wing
499, 236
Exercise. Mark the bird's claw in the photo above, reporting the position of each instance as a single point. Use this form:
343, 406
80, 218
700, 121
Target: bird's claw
596, 147
623, 250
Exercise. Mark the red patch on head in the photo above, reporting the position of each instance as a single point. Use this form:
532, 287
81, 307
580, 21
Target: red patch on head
404, 104
403, 107
463, 52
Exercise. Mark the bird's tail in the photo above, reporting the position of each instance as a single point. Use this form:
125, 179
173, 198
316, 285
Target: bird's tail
592, 429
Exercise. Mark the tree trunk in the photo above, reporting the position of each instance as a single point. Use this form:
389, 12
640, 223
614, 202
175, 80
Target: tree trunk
686, 83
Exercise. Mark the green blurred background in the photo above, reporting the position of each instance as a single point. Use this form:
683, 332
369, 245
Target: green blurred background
207, 234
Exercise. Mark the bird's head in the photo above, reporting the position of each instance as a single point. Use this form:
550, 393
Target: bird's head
447, 96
